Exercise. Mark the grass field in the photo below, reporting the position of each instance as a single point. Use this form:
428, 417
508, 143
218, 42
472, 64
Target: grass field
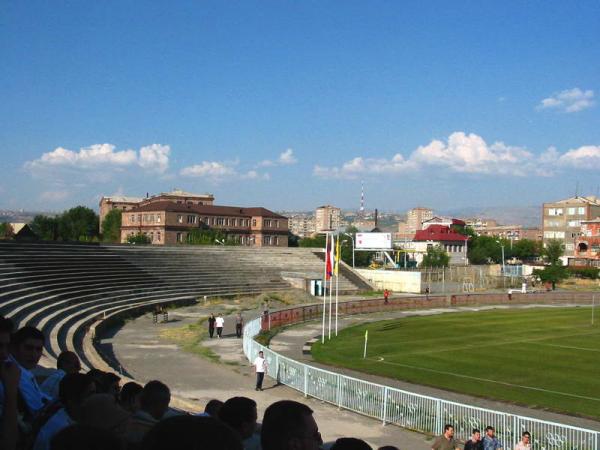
540, 357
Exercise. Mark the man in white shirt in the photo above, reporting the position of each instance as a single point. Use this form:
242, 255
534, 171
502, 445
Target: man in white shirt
219, 322
27, 347
260, 367
67, 362
525, 441
74, 389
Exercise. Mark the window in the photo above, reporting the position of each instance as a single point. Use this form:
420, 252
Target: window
267, 240
569, 246
581, 210
253, 222
552, 223
548, 234
179, 237
191, 219
574, 223
132, 218
227, 221
152, 236
555, 211
158, 218
179, 220
158, 236
559, 234
571, 211
276, 223
275, 240
233, 222
267, 223
220, 221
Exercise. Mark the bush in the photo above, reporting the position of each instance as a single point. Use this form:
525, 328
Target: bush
591, 273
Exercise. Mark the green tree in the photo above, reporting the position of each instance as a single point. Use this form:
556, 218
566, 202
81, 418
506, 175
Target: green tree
78, 224
293, 240
553, 251
206, 236
317, 241
111, 226
552, 274
6, 230
45, 227
138, 238
436, 256
483, 249
526, 249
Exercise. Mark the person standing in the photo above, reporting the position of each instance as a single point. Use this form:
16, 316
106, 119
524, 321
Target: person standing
239, 323
446, 441
219, 322
211, 325
260, 367
475, 442
490, 441
386, 295
525, 443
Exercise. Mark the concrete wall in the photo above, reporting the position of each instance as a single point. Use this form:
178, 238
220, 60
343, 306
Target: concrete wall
396, 281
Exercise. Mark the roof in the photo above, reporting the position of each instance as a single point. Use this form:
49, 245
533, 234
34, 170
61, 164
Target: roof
181, 193
122, 199
206, 209
440, 233
17, 226
589, 200
444, 220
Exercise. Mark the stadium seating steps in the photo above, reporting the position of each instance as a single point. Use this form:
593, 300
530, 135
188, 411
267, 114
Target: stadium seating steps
63, 289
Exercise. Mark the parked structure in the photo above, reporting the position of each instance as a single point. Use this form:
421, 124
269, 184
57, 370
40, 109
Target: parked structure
167, 222
562, 220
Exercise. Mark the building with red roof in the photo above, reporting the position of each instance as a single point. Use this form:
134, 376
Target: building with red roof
455, 244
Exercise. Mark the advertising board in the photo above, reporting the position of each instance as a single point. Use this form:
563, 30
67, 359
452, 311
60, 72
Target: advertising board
378, 241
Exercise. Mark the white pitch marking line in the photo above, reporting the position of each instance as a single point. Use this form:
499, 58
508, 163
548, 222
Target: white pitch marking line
569, 346
566, 394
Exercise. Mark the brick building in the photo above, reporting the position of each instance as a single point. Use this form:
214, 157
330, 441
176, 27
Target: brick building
587, 249
169, 222
125, 203
562, 220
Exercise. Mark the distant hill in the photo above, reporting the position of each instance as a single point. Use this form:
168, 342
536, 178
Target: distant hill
528, 216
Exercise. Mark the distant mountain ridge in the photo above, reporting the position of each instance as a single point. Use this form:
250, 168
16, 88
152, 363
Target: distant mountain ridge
528, 216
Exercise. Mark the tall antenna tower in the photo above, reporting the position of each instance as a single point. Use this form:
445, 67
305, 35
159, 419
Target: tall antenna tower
362, 199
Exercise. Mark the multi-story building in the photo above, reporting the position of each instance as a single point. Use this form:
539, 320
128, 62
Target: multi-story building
327, 218
587, 249
167, 222
302, 225
455, 244
415, 218
127, 203
562, 219
512, 232
479, 223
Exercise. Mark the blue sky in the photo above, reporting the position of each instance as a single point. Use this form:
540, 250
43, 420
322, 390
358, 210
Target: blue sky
290, 105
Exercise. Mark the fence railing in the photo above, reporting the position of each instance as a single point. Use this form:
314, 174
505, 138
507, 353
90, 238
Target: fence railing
403, 408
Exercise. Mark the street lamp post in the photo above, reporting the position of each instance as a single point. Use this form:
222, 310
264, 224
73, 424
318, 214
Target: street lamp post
351, 237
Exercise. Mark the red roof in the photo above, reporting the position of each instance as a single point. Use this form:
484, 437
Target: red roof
439, 233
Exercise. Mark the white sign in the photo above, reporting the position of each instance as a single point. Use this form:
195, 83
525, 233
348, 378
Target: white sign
379, 241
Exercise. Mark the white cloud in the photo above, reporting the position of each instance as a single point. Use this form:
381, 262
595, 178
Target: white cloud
254, 175
209, 169
287, 157
154, 157
585, 157
467, 153
569, 100
54, 196
471, 154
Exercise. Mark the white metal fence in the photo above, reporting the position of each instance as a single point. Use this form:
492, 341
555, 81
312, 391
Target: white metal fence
410, 410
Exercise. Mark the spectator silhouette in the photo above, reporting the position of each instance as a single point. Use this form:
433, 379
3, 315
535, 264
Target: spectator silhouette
154, 403
289, 425
240, 414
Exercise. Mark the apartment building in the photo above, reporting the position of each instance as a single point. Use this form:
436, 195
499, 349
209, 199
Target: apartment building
587, 248
327, 218
167, 222
562, 220
302, 225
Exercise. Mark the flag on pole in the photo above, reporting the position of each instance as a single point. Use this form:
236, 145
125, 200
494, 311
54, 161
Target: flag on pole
338, 254
329, 259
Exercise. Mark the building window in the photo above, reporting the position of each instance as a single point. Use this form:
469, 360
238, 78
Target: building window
158, 236
227, 221
571, 211
276, 223
179, 220
253, 222
267, 240
179, 237
266, 223
191, 219
559, 234
275, 240
569, 247
132, 218
158, 218
574, 223
555, 211
233, 222
152, 236
581, 211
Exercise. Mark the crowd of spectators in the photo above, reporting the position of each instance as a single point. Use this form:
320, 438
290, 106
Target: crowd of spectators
70, 410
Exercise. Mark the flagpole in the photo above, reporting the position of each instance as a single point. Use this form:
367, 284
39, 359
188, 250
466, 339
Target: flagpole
337, 279
330, 284
324, 287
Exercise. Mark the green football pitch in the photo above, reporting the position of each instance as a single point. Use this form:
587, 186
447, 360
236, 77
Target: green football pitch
539, 357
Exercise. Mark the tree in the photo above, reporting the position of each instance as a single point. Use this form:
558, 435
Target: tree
45, 227
483, 249
111, 226
552, 274
553, 251
436, 257
138, 238
206, 236
78, 224
6, 231
293, 240
526, 249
